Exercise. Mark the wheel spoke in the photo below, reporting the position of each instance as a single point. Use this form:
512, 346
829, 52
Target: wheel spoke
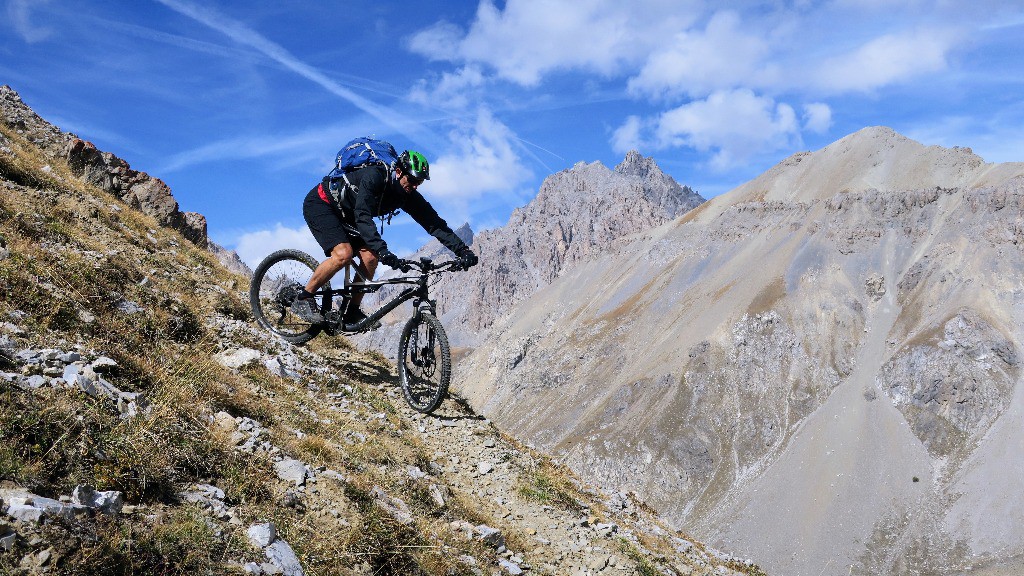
425, 363
275, 285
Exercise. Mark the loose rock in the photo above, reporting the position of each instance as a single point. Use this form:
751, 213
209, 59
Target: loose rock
261, 535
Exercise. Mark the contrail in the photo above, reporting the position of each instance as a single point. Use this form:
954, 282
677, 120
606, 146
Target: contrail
18, 12
248, 37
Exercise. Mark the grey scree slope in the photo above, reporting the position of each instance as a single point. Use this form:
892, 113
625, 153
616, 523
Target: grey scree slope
819, 369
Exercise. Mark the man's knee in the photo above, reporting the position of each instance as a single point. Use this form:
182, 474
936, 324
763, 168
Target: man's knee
341, 255
342, 251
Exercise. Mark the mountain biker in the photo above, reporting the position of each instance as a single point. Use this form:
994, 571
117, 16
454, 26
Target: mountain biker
341, 219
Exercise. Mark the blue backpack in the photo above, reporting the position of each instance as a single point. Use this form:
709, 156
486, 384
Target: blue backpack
359, 153
363, 152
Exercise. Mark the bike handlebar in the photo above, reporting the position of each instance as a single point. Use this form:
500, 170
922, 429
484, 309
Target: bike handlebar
427, 265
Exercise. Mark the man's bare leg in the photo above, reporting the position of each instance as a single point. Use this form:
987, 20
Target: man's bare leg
366, 270
340, 257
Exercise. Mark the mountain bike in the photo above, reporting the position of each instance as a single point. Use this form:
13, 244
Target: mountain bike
424, 357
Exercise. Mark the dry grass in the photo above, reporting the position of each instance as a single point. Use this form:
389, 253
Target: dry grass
76, 253
554, 484
76, 256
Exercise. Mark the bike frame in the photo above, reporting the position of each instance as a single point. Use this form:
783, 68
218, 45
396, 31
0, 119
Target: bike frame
418, 292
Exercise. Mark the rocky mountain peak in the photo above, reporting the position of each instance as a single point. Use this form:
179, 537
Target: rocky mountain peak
635, 164
874, 158
875, 133
465, 233
573, 194
577, 214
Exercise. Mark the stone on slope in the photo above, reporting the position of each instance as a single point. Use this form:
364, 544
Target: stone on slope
291, 470
237, 357
261, 535
280, 554
106, 502
394, 506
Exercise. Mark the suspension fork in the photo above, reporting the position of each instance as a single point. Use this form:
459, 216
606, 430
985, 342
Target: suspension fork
421, 357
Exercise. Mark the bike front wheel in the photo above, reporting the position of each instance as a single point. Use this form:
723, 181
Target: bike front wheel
276, 283
424, 362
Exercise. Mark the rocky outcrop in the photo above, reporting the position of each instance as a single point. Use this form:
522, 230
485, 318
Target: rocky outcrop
229, 259
102, 169
577, 214
952, 389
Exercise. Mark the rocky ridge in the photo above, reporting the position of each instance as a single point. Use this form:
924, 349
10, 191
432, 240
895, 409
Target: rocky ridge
107, 172
828, 336
577, 214
134, 384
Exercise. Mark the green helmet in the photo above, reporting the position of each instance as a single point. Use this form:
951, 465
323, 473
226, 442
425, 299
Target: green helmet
414, 164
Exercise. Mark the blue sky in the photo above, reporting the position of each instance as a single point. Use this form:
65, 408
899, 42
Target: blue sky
241, 107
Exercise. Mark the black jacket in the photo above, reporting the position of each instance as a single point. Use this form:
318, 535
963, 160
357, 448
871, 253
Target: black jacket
372, 193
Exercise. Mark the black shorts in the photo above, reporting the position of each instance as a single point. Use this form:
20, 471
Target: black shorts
328, 224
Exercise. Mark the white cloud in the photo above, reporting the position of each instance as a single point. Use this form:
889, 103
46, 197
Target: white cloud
732, 69
628, 136
529, 38
453, 91
735, 125
253, 247
731, 125
438, 42
817, 117
886, 60
19, 15
483, 159
671, 48
699, 62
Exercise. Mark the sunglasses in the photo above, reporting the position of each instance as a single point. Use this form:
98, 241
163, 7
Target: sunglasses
413, 180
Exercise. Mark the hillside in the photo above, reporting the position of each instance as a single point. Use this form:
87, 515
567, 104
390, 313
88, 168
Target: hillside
150, 428
819, 368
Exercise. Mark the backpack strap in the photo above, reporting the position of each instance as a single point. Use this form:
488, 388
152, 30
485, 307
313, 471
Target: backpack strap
337, 188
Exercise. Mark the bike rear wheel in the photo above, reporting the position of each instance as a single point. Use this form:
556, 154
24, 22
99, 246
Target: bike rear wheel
424, 362
275, 284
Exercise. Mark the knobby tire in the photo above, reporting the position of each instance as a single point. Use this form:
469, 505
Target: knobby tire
424, 371
276, 280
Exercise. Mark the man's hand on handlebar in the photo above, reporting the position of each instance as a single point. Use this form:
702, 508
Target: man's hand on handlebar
389, 259
467, 258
